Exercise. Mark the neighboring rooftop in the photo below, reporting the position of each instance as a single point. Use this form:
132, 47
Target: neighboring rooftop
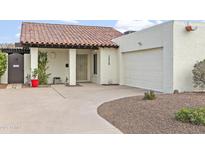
61, 35
7, 45
13, 48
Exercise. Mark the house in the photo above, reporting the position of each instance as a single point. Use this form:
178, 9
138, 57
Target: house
77, 53
159, 58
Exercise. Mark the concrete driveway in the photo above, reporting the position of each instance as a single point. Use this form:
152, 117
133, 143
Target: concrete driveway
58, 109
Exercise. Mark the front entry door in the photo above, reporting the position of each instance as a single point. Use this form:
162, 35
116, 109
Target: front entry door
15, 68
81, 67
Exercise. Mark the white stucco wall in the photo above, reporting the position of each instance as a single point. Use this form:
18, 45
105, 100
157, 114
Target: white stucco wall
4, 78
160, 36
106, 74
109, 71
27, 66
34, 59
189, 47
72, 66
57, 59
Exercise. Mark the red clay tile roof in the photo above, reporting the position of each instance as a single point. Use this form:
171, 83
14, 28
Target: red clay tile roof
67, 35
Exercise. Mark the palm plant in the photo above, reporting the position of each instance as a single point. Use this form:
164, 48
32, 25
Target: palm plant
42, 68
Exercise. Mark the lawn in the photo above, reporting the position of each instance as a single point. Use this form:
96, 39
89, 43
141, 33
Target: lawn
135, 115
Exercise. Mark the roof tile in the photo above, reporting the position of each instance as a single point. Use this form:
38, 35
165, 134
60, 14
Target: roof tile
42, 33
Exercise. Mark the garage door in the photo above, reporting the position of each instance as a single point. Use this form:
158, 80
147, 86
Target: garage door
144, 69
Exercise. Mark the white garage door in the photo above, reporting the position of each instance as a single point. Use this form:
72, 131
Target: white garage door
144, 69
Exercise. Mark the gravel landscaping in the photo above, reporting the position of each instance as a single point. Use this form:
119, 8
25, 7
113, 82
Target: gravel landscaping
134, 115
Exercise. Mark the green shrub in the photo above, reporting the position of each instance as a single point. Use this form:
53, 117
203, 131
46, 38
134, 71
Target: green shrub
35, 73
199, 74
3, 64
191, 115
150, 95
176, 91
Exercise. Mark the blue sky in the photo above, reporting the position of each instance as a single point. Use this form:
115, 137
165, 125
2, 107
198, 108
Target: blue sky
10, 29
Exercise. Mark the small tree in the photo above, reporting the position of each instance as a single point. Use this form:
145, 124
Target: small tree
3, 64
199, 74
42, 68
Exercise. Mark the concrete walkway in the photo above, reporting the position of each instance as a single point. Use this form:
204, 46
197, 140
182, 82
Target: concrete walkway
58, 109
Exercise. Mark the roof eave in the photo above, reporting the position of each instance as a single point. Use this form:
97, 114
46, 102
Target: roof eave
65, 46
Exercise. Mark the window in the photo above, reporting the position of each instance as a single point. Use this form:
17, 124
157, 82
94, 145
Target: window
95, 64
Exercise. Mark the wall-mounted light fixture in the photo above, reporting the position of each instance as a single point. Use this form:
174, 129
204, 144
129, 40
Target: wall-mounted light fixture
139, 43
109, 60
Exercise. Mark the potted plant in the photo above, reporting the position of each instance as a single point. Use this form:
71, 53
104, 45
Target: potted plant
34, 80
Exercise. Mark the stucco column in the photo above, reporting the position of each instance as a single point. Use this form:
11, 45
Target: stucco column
72, 66
121, 68
34, 59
